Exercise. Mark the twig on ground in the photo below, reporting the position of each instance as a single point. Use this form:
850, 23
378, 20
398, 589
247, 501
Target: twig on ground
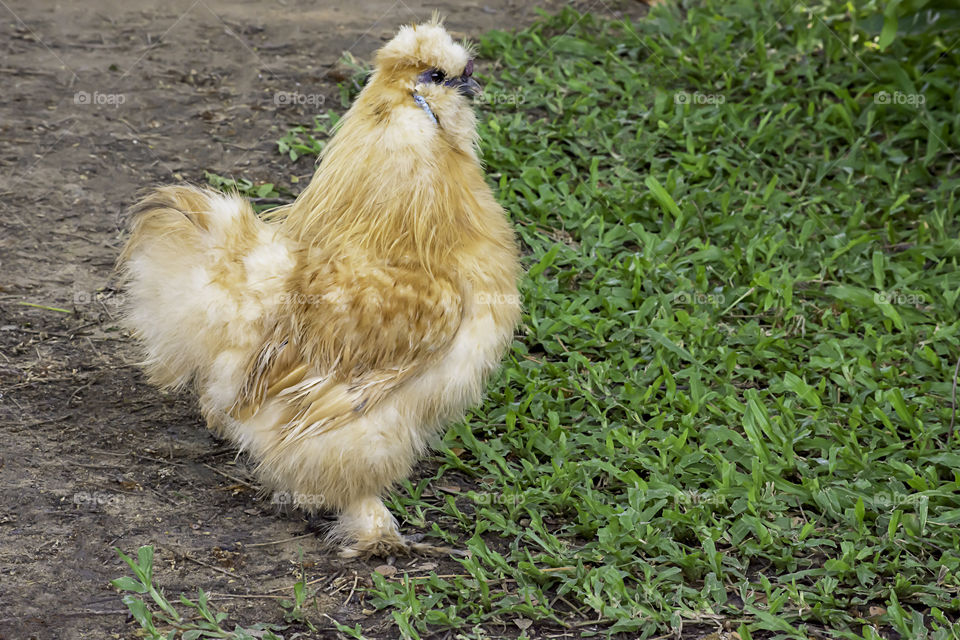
208, 566
267, 544
228, 476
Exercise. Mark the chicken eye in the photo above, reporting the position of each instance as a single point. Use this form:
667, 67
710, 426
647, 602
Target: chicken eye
437, 76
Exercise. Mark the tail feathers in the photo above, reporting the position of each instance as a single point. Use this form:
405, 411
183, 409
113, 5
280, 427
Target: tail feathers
202, 273
180, 214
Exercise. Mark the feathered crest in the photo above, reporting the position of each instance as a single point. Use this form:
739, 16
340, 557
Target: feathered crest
423, 45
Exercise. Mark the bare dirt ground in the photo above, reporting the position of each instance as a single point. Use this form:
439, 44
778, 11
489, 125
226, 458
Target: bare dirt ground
101, 100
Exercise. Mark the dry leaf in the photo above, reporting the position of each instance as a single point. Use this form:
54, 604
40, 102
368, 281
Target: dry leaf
523, 623
449, 488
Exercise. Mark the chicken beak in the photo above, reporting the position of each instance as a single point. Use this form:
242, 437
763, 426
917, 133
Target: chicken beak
467, 86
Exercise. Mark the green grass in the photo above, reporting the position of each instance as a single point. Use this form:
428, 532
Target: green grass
730, 399
165, 620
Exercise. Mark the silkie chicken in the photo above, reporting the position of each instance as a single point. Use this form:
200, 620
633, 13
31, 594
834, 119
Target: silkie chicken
334, 339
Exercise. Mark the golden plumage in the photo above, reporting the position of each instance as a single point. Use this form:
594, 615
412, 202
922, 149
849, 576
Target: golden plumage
333, 339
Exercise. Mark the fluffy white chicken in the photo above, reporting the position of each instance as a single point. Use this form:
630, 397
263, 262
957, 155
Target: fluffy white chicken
334, 339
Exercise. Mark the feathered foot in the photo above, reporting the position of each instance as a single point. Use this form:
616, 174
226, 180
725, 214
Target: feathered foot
371, 530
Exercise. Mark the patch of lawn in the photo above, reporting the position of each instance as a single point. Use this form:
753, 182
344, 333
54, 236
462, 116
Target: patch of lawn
730, 400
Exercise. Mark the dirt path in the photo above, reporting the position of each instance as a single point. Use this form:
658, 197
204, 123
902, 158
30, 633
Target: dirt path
98, 103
